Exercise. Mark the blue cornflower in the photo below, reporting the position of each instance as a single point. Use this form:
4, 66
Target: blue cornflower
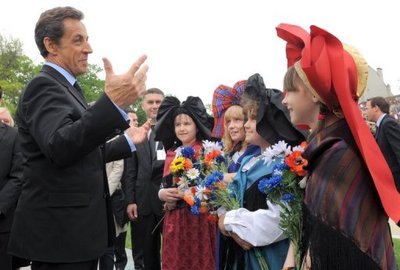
262, 184
220, 159
281, 166
214, 177
287, 197
187, 152
195, 210
273, 182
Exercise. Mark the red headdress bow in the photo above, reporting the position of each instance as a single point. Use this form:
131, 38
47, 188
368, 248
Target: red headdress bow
337, 75
224, 97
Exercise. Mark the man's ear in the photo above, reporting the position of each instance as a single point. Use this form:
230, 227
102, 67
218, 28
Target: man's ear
50, 46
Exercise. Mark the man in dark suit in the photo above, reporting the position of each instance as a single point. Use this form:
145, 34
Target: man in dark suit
387, 134
10, 187
63, 218
144, 207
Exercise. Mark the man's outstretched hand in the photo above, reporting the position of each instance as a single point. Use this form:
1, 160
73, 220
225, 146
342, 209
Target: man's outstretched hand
126, 88
139, 134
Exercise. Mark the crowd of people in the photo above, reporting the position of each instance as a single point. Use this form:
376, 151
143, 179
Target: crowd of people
74, 178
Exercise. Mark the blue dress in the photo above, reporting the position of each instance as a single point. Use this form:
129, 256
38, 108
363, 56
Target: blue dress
227, 249
246, 182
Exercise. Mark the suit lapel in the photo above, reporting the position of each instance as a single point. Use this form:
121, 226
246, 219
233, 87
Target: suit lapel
143, 150
48, 71
3, 130
152, 146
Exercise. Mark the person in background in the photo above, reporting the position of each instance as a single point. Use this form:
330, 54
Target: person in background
387, 134
189, 241
267, 123
133, 119
349, 185
114, 171
64, 219
10, 187
144, 207
5, 117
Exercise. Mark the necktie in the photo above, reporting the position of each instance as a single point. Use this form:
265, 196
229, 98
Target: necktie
376, 131
78, 88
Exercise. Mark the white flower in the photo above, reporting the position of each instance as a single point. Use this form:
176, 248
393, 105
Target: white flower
268, 155
183, 183
298, 148
303, 182
209, 146
201, 193
281, 148
277, 172
193, 173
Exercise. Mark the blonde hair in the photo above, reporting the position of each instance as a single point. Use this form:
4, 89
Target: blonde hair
234, 111
5, 116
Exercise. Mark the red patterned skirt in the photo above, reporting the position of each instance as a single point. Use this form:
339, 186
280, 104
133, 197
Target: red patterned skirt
189, 241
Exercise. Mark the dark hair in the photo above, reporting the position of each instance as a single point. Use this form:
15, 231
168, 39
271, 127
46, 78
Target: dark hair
154, 91
51, 25
250, 105
382, 104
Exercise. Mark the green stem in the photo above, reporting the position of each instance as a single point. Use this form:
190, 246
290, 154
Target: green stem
261, 260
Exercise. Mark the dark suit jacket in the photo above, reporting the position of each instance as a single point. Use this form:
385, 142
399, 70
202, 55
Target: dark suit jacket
10, 175
118, 198
142, 188
64, 212
388, 138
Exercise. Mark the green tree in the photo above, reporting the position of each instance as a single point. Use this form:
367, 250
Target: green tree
16, 69
90, 83
137, 108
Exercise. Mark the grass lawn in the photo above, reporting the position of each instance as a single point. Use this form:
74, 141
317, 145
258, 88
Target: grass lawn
396, 246
397, 250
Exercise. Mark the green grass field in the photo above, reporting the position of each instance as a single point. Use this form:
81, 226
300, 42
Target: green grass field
397, 250
396, 246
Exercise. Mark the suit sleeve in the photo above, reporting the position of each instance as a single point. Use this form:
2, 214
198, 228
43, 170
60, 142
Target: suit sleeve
130, 176
392, 134
9, 194
62, 128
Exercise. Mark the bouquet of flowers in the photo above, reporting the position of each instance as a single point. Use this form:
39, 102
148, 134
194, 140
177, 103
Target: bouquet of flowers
186, 168
285, 187
211, 192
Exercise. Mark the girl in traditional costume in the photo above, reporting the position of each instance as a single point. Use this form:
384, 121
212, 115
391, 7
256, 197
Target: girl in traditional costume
255, 225
189, 241
350, 190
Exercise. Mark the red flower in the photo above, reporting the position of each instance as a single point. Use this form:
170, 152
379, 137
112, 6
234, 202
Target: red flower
296, 163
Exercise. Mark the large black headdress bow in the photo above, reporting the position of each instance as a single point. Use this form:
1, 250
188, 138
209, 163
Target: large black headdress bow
170, 108
273, 120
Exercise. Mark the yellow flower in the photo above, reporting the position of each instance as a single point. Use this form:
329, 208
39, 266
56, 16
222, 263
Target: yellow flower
177, 164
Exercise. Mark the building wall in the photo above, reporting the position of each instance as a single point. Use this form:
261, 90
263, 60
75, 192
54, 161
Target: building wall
376, 85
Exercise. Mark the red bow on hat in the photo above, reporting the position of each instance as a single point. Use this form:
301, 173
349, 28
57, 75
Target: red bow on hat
333, 75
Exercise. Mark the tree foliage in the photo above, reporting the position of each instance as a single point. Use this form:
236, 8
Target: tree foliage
90, 83
16, 69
